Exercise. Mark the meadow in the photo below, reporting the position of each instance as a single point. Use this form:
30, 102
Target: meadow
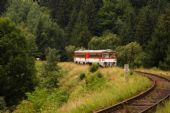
77, 94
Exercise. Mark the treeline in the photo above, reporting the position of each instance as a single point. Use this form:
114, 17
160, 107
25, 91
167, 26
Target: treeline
95, 24
88, 24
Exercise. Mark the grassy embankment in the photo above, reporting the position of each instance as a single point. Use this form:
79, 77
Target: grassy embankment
166, 107
97, 90
156, 71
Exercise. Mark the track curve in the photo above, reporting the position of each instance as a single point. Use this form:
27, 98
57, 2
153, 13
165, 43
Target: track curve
145, 101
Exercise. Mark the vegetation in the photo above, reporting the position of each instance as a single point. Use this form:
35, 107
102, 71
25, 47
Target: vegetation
138, 30
94, 68
67, 25
17, 72
75, 95
50, 73
165, 107
131, 54
156, 71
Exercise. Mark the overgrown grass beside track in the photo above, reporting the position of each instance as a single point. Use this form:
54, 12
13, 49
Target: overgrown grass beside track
96, 90
112, 88
166, 107
156, 71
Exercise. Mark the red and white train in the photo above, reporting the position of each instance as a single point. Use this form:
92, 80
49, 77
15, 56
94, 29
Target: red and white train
102, 57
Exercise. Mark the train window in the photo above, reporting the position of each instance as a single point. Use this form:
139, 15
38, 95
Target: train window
80, 55
95, 55
106, 55
112, 55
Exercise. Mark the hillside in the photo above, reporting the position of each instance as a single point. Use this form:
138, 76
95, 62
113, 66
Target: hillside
100, 89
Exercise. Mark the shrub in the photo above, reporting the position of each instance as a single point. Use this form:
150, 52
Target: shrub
131, 54
131, 72
82, 76
42, 98
99, 75
95, 82
94, 68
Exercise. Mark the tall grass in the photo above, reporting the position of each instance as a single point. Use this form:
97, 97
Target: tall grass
165, 109
97, 90
113, 89
156, 71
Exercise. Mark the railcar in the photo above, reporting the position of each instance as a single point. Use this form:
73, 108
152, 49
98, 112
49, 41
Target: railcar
102, 57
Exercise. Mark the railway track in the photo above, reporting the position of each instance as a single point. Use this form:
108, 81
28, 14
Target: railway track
146, 101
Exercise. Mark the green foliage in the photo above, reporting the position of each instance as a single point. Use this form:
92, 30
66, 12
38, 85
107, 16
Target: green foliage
95, 81
163, 109
52, 58
131, 72
70, 52
94, 67
131, 54
16, 65
40, 98
81, 24
82, 76
3, 5
50, 74
23, 107
145, 25
158, 46
107, 41
38, 21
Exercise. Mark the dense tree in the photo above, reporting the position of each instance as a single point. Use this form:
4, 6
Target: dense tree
145, 26
81, 23
3, 5
138, 3
107, 41
39, 23
17, 73
50, 74
131, 54
160, 40
127, 24
107, 17
70, 52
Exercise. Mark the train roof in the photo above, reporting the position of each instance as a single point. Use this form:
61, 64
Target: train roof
95, 51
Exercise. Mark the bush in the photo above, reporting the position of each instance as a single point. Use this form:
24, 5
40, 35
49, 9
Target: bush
82, 76
131, 54
95, 81
131, 72
94, 68
42, 98
99, 75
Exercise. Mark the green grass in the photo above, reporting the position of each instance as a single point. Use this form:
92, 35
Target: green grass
114, 88
165, 109
156, 71
97, 90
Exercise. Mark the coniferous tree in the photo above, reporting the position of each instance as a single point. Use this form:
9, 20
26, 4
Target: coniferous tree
145, 26
160, 40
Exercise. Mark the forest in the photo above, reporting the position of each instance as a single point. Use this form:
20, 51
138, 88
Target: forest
138, 30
